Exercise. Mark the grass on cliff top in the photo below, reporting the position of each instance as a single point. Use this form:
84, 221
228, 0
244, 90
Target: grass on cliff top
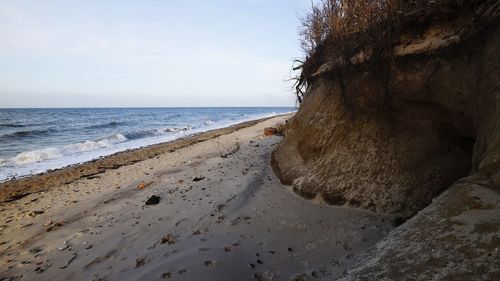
337, 30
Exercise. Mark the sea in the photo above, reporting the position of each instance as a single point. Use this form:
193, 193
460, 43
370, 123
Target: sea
36, 140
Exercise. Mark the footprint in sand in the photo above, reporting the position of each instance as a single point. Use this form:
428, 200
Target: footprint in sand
166, 275
182, 271
209, 263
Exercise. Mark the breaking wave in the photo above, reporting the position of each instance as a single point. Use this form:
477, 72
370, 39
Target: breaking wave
36, 156
49, 153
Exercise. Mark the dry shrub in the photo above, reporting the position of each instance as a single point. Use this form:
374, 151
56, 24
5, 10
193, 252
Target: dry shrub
226, 147
336, 31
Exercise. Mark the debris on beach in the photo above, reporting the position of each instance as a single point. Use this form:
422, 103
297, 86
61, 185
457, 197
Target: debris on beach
64, 246
153, 200
168, 239
54, 226
198, 178
35, 213
141, 186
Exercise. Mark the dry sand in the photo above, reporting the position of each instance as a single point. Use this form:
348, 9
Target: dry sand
219, 218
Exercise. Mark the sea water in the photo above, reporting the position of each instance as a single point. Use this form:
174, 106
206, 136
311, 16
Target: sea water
36, 140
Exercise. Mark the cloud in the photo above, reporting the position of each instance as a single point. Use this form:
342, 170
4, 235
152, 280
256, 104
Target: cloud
134, 57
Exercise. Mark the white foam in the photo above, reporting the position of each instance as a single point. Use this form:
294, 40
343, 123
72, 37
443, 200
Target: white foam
33, 156
174, 129
93, 145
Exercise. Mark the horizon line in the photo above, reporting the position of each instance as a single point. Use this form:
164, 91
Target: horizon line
116, 107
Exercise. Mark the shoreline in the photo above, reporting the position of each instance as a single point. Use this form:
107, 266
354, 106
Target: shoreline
212, 207
14, 189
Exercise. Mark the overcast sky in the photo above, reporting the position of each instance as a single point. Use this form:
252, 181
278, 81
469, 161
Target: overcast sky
148, 53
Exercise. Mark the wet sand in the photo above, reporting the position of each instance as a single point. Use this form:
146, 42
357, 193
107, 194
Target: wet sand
222, 215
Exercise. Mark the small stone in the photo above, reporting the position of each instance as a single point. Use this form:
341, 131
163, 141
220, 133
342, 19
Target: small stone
153, 200
198, 178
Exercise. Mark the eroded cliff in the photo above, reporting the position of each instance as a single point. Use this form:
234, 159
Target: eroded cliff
391, 137
393, 151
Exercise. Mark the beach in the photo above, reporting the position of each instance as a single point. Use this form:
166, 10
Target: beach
206, 207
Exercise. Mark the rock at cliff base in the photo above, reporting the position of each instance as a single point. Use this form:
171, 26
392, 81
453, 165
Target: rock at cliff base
270, 131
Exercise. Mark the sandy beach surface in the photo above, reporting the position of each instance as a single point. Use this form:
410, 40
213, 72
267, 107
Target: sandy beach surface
209, 209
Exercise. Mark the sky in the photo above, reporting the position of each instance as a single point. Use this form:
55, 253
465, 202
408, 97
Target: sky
95, 53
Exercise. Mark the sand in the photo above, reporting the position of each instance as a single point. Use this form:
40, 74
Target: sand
222, 215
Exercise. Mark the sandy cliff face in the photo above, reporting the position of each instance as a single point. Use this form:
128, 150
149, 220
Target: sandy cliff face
393, 154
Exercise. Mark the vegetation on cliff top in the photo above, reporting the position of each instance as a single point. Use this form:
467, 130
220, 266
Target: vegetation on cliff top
350, 32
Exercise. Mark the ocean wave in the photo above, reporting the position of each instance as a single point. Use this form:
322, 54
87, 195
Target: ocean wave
175, 129
112, 124
36, 156
208, 122
141, 134
50, 153
92, 145
156, 132
12, 125
27, 134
